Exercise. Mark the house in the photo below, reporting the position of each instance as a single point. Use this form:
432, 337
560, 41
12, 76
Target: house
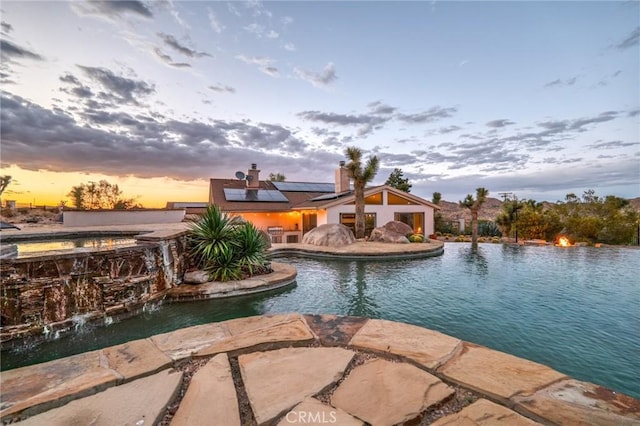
287, 210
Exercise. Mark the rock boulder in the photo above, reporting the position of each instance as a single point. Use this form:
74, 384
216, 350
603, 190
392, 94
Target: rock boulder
330, 234
392, 232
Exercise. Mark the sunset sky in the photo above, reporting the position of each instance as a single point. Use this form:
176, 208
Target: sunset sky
536, 98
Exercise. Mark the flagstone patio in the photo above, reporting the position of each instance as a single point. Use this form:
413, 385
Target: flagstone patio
304, 369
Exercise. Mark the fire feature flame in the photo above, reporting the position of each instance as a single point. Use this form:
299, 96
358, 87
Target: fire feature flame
563, 242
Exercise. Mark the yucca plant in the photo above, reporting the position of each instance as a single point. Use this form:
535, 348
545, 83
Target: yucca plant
250, 248
211, 235
226, 247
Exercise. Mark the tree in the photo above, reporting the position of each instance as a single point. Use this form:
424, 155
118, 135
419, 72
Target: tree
436, 198
277, 177
361, 175
4, 182
101, 195
474, 205
397, 181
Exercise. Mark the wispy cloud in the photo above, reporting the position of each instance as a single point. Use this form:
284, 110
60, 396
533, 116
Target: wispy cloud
499, 123
264, 63
9, 50
222, 88
173, 43
214, 22
319, 79
433, 114
560, 82
631, 40
113, 9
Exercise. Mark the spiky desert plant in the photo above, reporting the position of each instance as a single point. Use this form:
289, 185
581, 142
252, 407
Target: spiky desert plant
250, 247
211, 235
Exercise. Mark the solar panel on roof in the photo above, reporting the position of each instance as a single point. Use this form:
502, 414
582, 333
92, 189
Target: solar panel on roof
259, 195
304, 186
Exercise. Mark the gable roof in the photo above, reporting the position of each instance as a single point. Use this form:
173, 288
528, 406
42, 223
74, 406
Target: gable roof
349, 197
298, 199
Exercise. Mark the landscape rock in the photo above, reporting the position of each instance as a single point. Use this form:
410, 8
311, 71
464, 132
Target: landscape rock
196, 277
277, 380
382, 392
211, 397
385, 235
575, 402
330, 234
399, 228
136, 359
183, 342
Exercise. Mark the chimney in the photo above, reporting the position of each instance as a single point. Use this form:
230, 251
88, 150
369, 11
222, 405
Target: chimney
253, 177
342, 179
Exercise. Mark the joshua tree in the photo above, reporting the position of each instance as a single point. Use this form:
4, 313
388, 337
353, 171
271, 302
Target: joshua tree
361, 176
474, 206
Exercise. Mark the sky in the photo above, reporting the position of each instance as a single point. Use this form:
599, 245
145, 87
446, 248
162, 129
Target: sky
539, 99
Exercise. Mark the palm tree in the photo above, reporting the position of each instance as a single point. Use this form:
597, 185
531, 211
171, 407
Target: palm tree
474, 206
361, 176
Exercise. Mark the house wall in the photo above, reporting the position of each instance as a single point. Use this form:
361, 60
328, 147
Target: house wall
288, 220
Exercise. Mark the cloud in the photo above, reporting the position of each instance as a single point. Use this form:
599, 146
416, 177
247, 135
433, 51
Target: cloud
433, 114
222, 89
319, 79
118, 88
380, 108
612, 144
6, 27
633, 113
631, 40
113, 9
290, 47
214, 22
126, 144
500, 123
559, 82
263, 63
9, 50
168, 60
171, 41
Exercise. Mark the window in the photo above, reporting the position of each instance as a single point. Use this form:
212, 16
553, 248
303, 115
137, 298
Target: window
373, 199
414, 220
309, 221
349, 220
397, 200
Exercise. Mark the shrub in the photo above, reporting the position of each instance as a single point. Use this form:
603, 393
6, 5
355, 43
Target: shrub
416, 238
226, 247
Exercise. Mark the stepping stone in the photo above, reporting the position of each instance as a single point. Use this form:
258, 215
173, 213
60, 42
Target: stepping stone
484, 413
382, 392
211, 397
136, 359
36, 388
497, 374
315, 413
575, 402
180, 344
334, 330
252, 331
141, 402
277, 380
426, 347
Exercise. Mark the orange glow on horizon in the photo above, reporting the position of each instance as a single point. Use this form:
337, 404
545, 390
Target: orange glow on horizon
29, 187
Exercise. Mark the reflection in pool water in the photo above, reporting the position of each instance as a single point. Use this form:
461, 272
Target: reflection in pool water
29, 247
575, 309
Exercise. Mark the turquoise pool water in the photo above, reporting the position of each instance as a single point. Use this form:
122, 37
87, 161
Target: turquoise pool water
574, 309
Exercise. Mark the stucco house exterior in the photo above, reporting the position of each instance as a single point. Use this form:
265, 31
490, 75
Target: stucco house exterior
287, 210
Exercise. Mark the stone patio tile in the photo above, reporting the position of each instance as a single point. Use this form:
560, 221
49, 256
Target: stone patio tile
211, 397
484, 413
141, 402
277, 380
314, 413
575, 402
40, 387
182, 343
252, 331
382, 392
135, 359
497, 374
427, 347
334, 330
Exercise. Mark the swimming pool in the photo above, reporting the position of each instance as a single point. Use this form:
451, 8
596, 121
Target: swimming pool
574, 309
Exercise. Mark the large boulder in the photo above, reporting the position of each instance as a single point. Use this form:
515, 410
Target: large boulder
393, 232
330, 234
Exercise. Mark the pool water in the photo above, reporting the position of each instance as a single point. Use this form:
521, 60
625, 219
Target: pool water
575, 309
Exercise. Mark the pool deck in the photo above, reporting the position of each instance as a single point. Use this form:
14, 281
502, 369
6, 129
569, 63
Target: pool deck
271, 369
